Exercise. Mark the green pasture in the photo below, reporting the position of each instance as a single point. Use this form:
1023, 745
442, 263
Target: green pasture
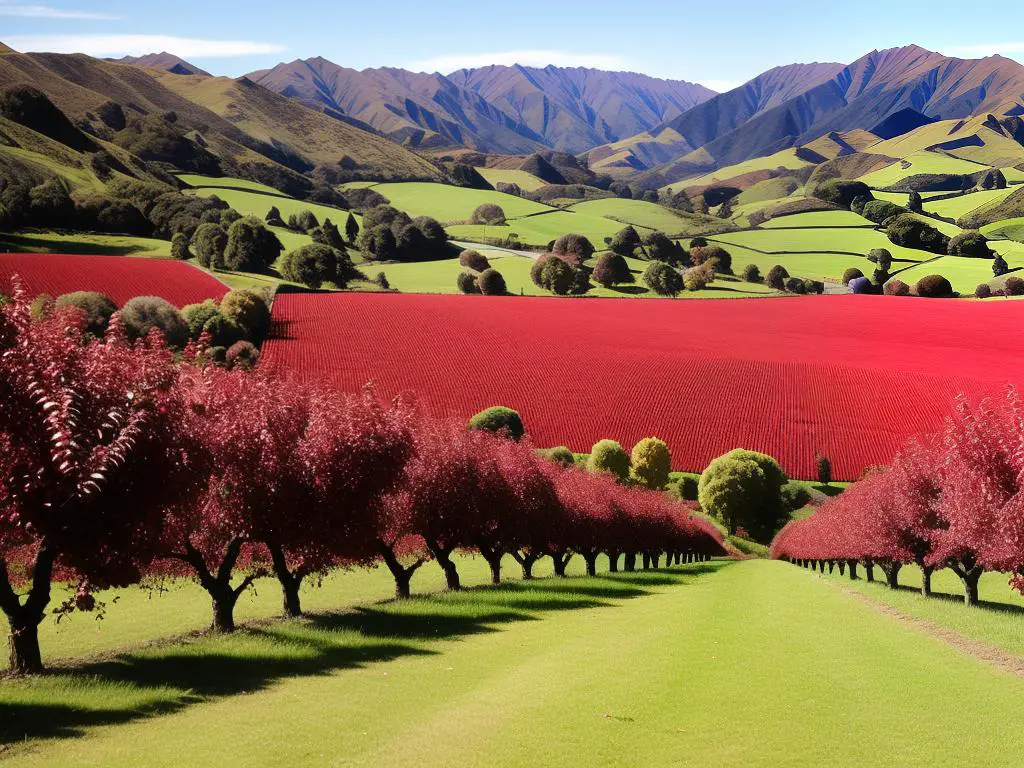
964, 274
257, 204
955, 207
785, 158
636, 212
1007, 229
448, 204
917, 163
541, 229
834, 239
526, 180
46, 241
195, 180
816, 265
783, 659
818, 219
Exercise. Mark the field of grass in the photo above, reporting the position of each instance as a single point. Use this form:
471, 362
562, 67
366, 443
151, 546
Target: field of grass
785, 158
1007, 229
818, 219
542, 229
257, 204
920, 162
635, 212
817, 266
463, 679
526, 181
836, 239
964, 274
955, 207
446, 203
768, 190
195, 180
42, 241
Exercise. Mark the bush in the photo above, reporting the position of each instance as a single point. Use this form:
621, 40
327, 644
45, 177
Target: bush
491, 283
971, 244
685, 488
896, 288
934, 287
881, 256
316, 264
752, 274
197, 315
574, 245
95, 306
488, 213
466, 282
209, 242
983, 291
612, 269
625, 242
698, 242
250, 311
553, 274
858, 203
651, 463
914, 202
500, 420
241, 354
303, 221
273, 217
743, 489
659, 248
382, 281
851, 274
328, 234
251, 246
144, 313
718, 257
795, 496
559, 455
796, 285
179, 247
910, 232
223, 331
609, 456
698, 278
663, 279
999, 266
881, 210
1014, 286
861, 286
814, 286
777, 277
474, 260
841, 192
823, 467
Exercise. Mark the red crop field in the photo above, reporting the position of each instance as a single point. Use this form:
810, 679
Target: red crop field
850, 376
120, 277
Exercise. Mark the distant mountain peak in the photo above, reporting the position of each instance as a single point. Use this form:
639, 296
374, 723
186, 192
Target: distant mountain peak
165, 61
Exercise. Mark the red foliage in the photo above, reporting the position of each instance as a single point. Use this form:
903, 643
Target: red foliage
120, 277
857, 375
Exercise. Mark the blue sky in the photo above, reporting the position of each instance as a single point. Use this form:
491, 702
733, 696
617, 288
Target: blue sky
720, 44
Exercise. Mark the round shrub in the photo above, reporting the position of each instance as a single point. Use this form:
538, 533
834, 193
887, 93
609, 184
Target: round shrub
553, 274
466, 282
95, 306
612, 269
488, 213
861, 285
144, 313
911, 232
179, 247
698, 278
314, 264
249, 310
241, 354
251, 247
718, 257
971, 244
881, 210
1014, 286
814, 286
626, 241
983, 291
777, 277
662, 279
559, 455
881, 256
223, 331
934, 287
196, 316
743, 489
698, 242
752, 273
474, 260
851, 274
796, 285
841, 192
896, 288
209, 242
651, 463
609, 456
500, 420
574, 245
491, 283
660, 248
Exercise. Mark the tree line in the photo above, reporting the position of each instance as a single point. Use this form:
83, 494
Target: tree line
123, 460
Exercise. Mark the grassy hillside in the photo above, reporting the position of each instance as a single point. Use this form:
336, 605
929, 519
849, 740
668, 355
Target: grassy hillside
635, 212
786, 158
453, 204
919, 163
526, 181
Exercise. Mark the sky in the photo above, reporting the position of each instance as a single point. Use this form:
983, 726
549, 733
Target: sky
720, 44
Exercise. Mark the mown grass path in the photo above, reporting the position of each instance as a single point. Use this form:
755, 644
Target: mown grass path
752, 663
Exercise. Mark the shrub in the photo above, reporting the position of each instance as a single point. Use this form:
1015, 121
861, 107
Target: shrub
718, 257
179, 247
574, 245
97, 308
382, 281
241, 354
351, 228
814, 286
500, 420
474, 260
488, 213
249, 310
698, 278
777, 277
1014, 286
796, 285
971, 244
934, 287
196, 316
553, 274
663, 279
896, 287
209, 242
858, 203
251, 246
273, 217
41, 306
626, 241
698, 242
492, 283
861, 285
999, 265
223, 331
752, 274
911, 232
823, 467
328, 234
559, 455
744, 489
851, 274
144, 313
914, 202
879, 276
651, 463
983, 291
881, 210
466, 282
612, 269
659, 248
303, 221
881, 256
841, 192
608, 456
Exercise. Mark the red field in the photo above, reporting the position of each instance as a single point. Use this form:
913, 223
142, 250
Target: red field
120, 277
851, 376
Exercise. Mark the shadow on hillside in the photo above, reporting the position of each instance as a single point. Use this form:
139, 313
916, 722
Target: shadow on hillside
171, 678
958, 597
14, 243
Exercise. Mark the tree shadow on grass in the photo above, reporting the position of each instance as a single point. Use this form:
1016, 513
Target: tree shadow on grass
164, 680
958, 598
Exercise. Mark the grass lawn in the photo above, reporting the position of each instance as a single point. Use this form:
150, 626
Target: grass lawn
817, 266
920, 162
835, 239
963, 273
257, 204
636, 212
955, 207
753, 663
1009, 229
819, 219
28, 241
447, 203
195, 180
785, 158
542, 229
526, 180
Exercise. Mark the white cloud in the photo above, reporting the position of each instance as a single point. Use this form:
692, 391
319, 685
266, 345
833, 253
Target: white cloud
138, 45
986, 49
721, 85
528, 58
46, 12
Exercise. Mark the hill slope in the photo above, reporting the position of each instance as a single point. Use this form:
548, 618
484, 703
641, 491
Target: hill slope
163, 60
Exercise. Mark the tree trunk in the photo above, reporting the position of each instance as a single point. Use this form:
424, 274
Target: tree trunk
561, 559
590, 558
613, 561
926, 580
444, 559
892, 574
831, 565
655, 558
526, 559
290, 582
969, 573
495, 564
646, 560
869, 570
853, 569
842, 567
401, 574
629, 562
224, 609
25, 657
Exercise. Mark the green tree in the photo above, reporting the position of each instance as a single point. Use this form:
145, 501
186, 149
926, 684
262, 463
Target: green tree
609, 456
251, 246
659, 248
249, 310
179, 247
492, 283
652, 463
209, 242
500, 420
999, 266
662, 279
626, 241
743, 489
351, 228
612, 269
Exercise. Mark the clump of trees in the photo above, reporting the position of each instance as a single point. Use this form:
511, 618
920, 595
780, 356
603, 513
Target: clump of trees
612, 269
488, 213
934, 287
315, 264
392, 235
970, 244
911, 232
560, 274
663, 279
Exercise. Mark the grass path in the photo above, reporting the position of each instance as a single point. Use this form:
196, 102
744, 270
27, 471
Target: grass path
754, 663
